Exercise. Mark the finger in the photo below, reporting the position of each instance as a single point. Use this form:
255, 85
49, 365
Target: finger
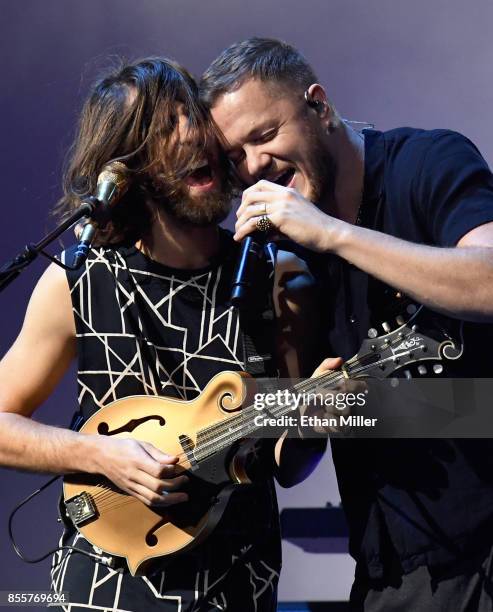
151, 498
159, 455
154, 468
175, 484
147, 480
255, 197
265, 185
247, 228
331, 363
159, 470
170, 471
256, 210
171, 499
158, 485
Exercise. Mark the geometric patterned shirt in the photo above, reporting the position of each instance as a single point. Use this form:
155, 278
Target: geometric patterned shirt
145, 328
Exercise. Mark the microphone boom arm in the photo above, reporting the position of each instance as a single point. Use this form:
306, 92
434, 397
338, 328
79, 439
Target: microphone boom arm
10, 271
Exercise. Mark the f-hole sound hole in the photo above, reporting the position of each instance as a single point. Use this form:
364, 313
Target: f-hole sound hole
104, 428
151, 537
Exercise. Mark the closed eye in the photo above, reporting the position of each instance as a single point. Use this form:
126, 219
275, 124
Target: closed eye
265, 137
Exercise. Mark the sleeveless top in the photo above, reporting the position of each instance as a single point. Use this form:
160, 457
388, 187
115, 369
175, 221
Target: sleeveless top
144, 328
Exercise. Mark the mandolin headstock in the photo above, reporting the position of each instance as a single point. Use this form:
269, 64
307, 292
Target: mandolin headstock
414, 347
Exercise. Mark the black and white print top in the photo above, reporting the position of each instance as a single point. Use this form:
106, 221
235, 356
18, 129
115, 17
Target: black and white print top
145, 328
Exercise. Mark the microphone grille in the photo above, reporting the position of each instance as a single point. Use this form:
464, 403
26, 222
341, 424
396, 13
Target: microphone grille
115, 172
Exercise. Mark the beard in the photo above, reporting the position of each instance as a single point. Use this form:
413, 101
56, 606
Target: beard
322, 171
200, 211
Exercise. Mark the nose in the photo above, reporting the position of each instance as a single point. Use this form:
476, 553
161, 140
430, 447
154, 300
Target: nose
256, 162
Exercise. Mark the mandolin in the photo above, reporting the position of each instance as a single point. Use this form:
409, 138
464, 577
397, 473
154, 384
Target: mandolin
213, 436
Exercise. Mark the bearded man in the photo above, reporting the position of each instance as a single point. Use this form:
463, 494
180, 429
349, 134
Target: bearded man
147, 314
408, 213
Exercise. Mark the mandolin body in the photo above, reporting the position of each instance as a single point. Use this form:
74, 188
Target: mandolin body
122, 525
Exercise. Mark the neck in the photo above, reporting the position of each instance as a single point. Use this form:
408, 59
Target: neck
348, 150
178, 245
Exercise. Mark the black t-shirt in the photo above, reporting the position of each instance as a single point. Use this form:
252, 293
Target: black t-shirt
417, 501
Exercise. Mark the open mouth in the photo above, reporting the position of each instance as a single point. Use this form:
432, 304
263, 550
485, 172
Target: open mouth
285, 178
200, 177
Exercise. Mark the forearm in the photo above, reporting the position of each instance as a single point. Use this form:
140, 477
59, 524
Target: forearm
455, 281
295, 459
29, 445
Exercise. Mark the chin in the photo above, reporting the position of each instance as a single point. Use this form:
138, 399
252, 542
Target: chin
202, 212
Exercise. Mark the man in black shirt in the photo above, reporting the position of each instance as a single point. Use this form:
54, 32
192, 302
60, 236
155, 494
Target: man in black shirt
405, 212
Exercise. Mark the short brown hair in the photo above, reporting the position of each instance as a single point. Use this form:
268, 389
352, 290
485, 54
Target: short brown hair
267, 59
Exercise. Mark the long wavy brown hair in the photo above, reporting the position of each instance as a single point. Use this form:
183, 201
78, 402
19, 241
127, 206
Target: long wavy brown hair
131, 116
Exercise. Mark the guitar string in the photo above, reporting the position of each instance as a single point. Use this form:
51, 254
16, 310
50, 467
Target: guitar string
319, 382
211, 431
229, 436
106, 499
108, 494
351, 368
322, 381
208, 444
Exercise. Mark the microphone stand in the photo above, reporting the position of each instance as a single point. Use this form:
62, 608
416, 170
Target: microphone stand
10, 271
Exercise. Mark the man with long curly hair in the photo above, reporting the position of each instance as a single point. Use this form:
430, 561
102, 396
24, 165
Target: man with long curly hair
147, 314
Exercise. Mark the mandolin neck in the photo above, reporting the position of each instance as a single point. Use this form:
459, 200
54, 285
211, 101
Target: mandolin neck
222, 435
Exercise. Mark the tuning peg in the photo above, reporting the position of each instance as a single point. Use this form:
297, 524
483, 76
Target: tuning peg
438, 368
407, 374
386, 326
400, 320
422, 370
372, 333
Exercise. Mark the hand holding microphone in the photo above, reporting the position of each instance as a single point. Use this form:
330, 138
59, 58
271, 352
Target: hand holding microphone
253, 248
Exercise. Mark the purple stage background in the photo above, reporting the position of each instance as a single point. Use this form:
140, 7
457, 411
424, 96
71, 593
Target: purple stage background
391, 62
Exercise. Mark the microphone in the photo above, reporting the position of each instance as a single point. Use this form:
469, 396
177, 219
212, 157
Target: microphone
252, 252
112, 184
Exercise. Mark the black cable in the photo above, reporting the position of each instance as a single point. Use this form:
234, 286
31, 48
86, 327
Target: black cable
56, 261
100, 558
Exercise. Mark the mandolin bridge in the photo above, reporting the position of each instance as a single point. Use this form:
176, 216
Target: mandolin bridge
81, 509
